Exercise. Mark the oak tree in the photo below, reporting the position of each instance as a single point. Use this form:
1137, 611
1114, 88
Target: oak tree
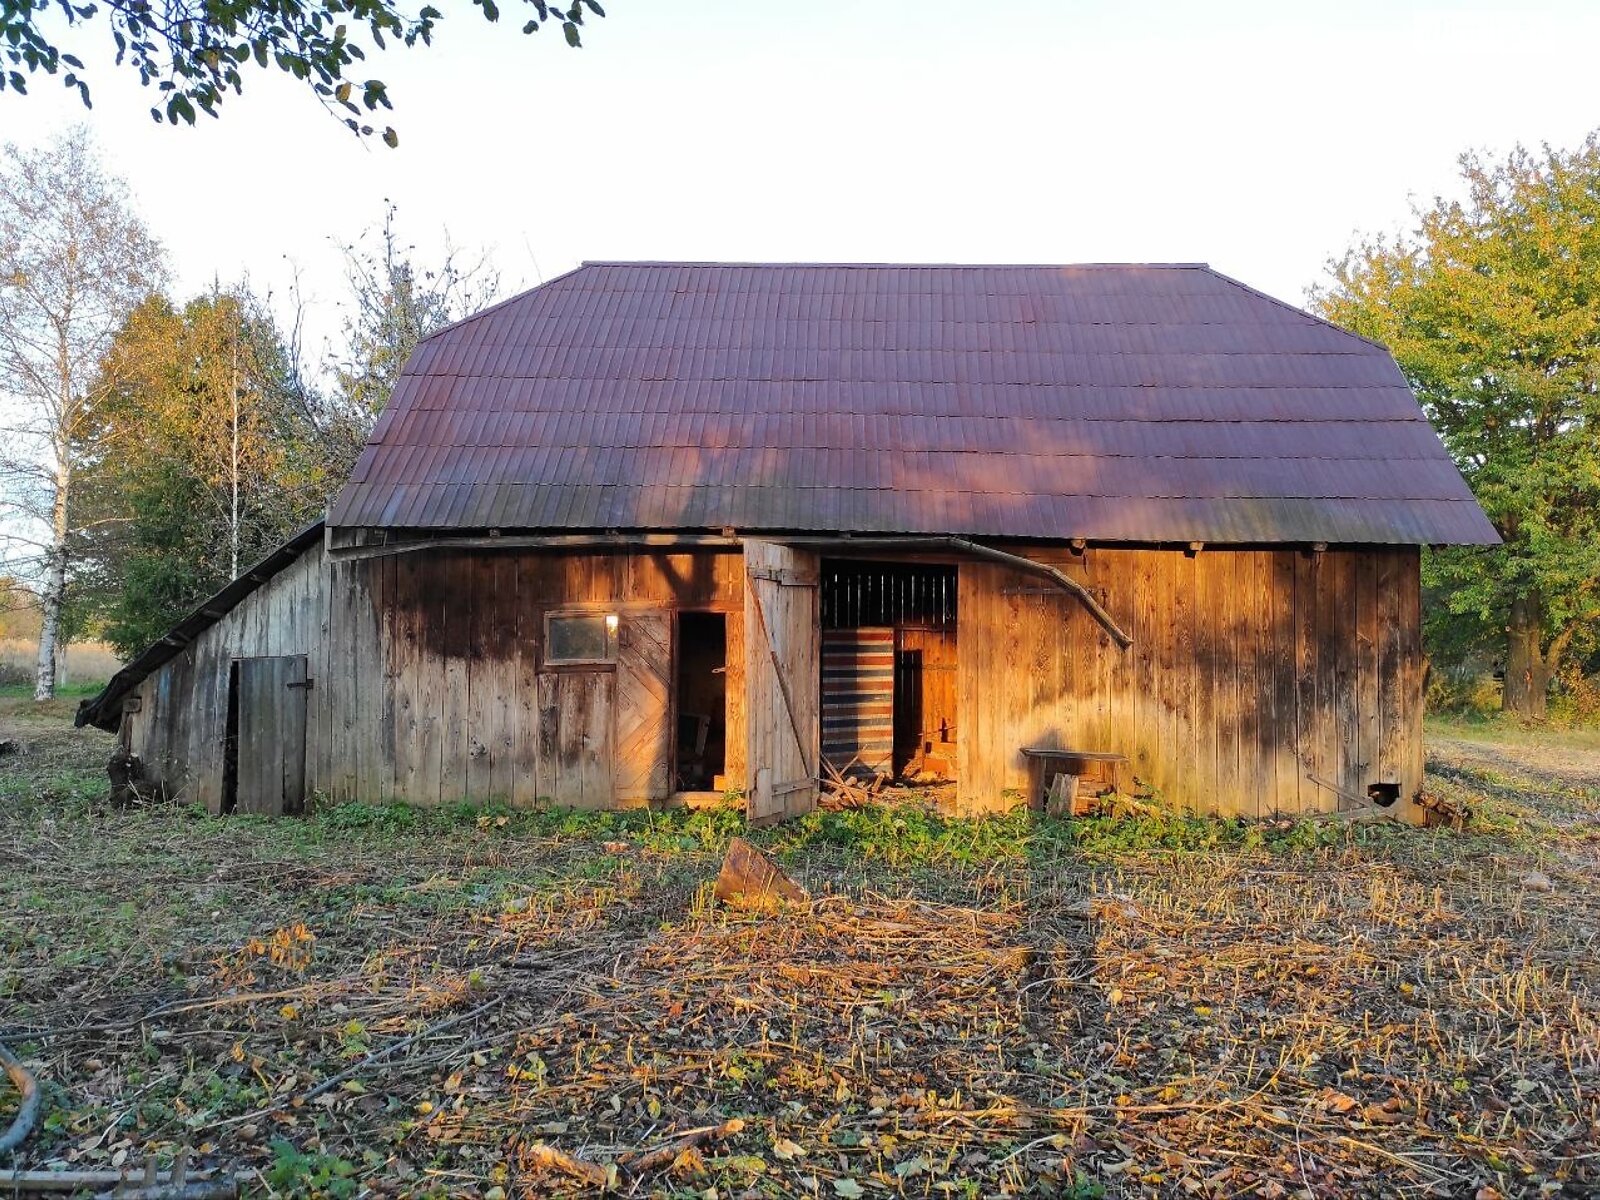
1492, 309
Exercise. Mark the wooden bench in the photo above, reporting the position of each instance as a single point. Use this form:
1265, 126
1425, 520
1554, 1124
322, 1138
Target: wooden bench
1054, 775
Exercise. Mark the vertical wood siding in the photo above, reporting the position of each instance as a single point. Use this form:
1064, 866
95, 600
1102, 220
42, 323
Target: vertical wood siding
429, 681
1249, 672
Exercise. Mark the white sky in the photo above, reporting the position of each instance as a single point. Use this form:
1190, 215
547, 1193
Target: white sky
1259, 137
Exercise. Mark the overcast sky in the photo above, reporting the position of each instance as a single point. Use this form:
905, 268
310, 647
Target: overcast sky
1258, 137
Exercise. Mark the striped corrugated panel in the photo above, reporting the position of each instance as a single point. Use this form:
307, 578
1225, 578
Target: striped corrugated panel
858, 699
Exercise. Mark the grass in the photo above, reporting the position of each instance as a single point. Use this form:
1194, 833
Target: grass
74, 689
1168, 1006
1497, 728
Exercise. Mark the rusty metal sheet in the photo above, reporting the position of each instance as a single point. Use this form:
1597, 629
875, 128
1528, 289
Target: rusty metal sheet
1116, 403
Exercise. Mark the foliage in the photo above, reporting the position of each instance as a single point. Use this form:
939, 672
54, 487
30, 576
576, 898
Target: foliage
74, 261
207, 453
1492, 309
295, 1173
19, 609
195, 54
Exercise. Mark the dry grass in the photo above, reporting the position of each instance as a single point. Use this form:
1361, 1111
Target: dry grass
93, 662
973, 1013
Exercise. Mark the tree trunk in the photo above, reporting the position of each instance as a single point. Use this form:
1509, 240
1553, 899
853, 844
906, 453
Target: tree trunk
50, 601
1528, 670
52, 597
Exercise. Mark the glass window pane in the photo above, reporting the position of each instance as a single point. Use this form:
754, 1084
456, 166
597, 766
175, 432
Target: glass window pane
579, 639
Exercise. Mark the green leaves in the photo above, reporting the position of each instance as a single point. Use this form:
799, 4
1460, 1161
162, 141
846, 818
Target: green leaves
195, 53
1492, 311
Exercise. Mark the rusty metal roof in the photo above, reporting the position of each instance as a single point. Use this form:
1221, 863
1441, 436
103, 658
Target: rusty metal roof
1115, 403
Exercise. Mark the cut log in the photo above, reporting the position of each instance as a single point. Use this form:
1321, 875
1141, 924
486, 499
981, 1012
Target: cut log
1062, 798
749, 879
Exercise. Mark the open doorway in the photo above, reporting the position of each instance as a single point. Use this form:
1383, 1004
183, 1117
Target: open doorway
889, 669
700, 744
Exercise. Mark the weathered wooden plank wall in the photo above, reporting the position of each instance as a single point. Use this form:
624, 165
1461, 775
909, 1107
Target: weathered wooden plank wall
1250, 670
429, 682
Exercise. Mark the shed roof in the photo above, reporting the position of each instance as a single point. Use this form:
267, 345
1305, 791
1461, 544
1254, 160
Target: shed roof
1135, 403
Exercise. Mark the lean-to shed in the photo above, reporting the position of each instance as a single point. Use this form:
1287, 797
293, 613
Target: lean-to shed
654, 530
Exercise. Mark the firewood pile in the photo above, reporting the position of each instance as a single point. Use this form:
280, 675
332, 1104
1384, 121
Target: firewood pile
842, 791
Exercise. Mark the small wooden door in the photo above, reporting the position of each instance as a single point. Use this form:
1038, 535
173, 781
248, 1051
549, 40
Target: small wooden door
271, 731
781, 679
575, 757
925, 701
644, 707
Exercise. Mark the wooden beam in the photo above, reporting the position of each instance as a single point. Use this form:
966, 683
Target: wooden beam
563, 541
1016, 562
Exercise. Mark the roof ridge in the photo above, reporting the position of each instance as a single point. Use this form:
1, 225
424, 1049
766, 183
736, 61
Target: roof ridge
495, 307
899, 266
1296, 309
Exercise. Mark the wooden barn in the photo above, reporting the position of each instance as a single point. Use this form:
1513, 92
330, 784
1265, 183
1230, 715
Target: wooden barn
650, 532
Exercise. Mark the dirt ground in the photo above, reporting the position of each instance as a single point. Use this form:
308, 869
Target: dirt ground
549, 1004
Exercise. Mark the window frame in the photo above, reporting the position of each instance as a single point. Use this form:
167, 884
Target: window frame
613, 628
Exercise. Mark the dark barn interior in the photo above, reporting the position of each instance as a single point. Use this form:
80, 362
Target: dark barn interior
889, 668
701, 748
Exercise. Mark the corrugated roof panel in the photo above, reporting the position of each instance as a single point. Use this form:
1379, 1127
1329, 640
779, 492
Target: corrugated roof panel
1137, 403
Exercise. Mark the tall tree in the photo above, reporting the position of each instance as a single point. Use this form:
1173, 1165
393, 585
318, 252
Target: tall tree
1492, 309
196, 53
74, 260
395, 299
209, 453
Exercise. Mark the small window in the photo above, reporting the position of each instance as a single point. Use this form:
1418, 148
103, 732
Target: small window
580, 638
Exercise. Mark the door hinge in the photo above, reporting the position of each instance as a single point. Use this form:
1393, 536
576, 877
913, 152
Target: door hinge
304, 683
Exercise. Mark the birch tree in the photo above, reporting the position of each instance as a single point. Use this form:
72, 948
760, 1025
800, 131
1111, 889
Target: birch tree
74, 260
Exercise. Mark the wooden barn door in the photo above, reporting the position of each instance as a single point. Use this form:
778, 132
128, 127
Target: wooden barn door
270, 724
643, 707
575, 728
781, 678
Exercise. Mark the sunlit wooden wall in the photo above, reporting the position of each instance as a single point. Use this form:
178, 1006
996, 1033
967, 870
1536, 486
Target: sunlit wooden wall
1250, 671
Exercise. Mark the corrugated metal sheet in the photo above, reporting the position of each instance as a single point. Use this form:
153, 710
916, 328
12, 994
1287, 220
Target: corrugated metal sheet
1114, 403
